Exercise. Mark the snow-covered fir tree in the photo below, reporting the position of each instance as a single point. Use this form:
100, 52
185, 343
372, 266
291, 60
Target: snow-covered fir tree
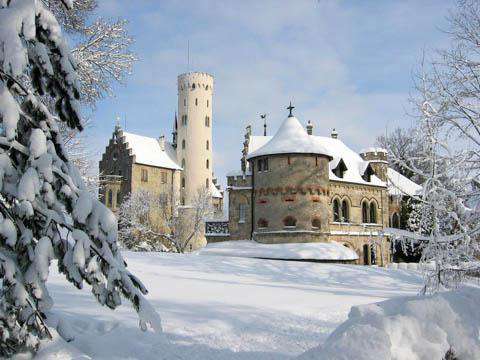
46, 213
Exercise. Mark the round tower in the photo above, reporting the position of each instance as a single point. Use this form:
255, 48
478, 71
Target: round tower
194, 138
378, 159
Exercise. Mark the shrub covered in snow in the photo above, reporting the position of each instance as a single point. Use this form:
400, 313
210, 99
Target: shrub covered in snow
408, 328
46, 212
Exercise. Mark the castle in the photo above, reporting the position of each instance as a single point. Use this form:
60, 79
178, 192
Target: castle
298, 187
132, 162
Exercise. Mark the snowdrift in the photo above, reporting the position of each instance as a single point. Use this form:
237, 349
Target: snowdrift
331, 251
407, 328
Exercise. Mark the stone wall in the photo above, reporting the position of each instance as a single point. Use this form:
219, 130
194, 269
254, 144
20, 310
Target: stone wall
239, 194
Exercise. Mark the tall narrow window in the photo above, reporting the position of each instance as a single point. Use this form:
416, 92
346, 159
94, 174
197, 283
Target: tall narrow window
373, 213
395, 221
196, 101
242, 213
260, 165
207, 183
208, 164
207, 100
207, 121
336, 210
364, 212
110, 198
183, 144
164, 177
193, 86
144, 175
183, 164
345, 211
119, 198
184, 102
208, 145
183, 183
265, 164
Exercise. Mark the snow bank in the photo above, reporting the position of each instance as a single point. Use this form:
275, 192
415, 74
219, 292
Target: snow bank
293, 251
408, 328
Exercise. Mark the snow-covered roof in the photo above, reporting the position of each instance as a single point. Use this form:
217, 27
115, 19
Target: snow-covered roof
290, 138
147, 151
334, 147
400, 185
215, 192
375, 150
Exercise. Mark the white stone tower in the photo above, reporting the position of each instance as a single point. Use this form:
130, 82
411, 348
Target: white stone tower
194, 134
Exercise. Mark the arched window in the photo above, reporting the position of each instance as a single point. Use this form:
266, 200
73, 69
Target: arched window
242, 212
208, 145
345, 211
395, 221
193, 86
336, 210
110, 198
119, 198
183, 164
262, 223
316, 223
183, 144
208, 164
183, 183
364, 212
290, 221
196, 101
206, 88
373, 212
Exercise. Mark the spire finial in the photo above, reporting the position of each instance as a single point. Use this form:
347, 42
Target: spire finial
290, 108
117, 122
264, 117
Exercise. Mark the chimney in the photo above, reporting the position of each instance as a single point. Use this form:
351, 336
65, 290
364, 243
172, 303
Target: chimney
161, 142
334, 134
309, 128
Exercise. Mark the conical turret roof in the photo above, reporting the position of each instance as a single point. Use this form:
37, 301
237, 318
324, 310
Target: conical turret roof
291, 138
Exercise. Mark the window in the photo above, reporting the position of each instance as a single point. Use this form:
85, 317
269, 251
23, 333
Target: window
207, 121
241, 213
184, 120
336, 210
193, 86
184, 102
288, 160
364, 212
316, 223
339, 171
207, 100
206, 88
119, 198
208, 164
183, 164
164, 177
260, 165
144, 175
208, 145
290, 221
183, 183
395, 221
183, 144
196, 101
115, 156
265, 164
183, 201
345, 211
373, 213
316, 160
110, 198
262, 223
207, 183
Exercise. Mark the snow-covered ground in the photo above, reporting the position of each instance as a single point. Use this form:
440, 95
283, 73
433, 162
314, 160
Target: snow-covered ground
216, 307
325, 251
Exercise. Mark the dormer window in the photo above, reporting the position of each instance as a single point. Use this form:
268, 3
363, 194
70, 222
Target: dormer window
340, 169
367, 175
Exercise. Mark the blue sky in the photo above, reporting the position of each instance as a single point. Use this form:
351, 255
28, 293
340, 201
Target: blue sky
344, 64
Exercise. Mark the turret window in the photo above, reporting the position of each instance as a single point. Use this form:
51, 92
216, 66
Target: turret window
207, 100
262, 164
183, 164
193, 86
208, 164
207, 121
290, 221
110, 198
242, 212
164, 177
183, 185
184, 102
196, 101
207, 183
208, 145
183, 144
184, 120
395, 221
119, 198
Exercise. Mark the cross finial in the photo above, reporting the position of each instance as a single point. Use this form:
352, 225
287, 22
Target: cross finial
264, 117
290, 108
